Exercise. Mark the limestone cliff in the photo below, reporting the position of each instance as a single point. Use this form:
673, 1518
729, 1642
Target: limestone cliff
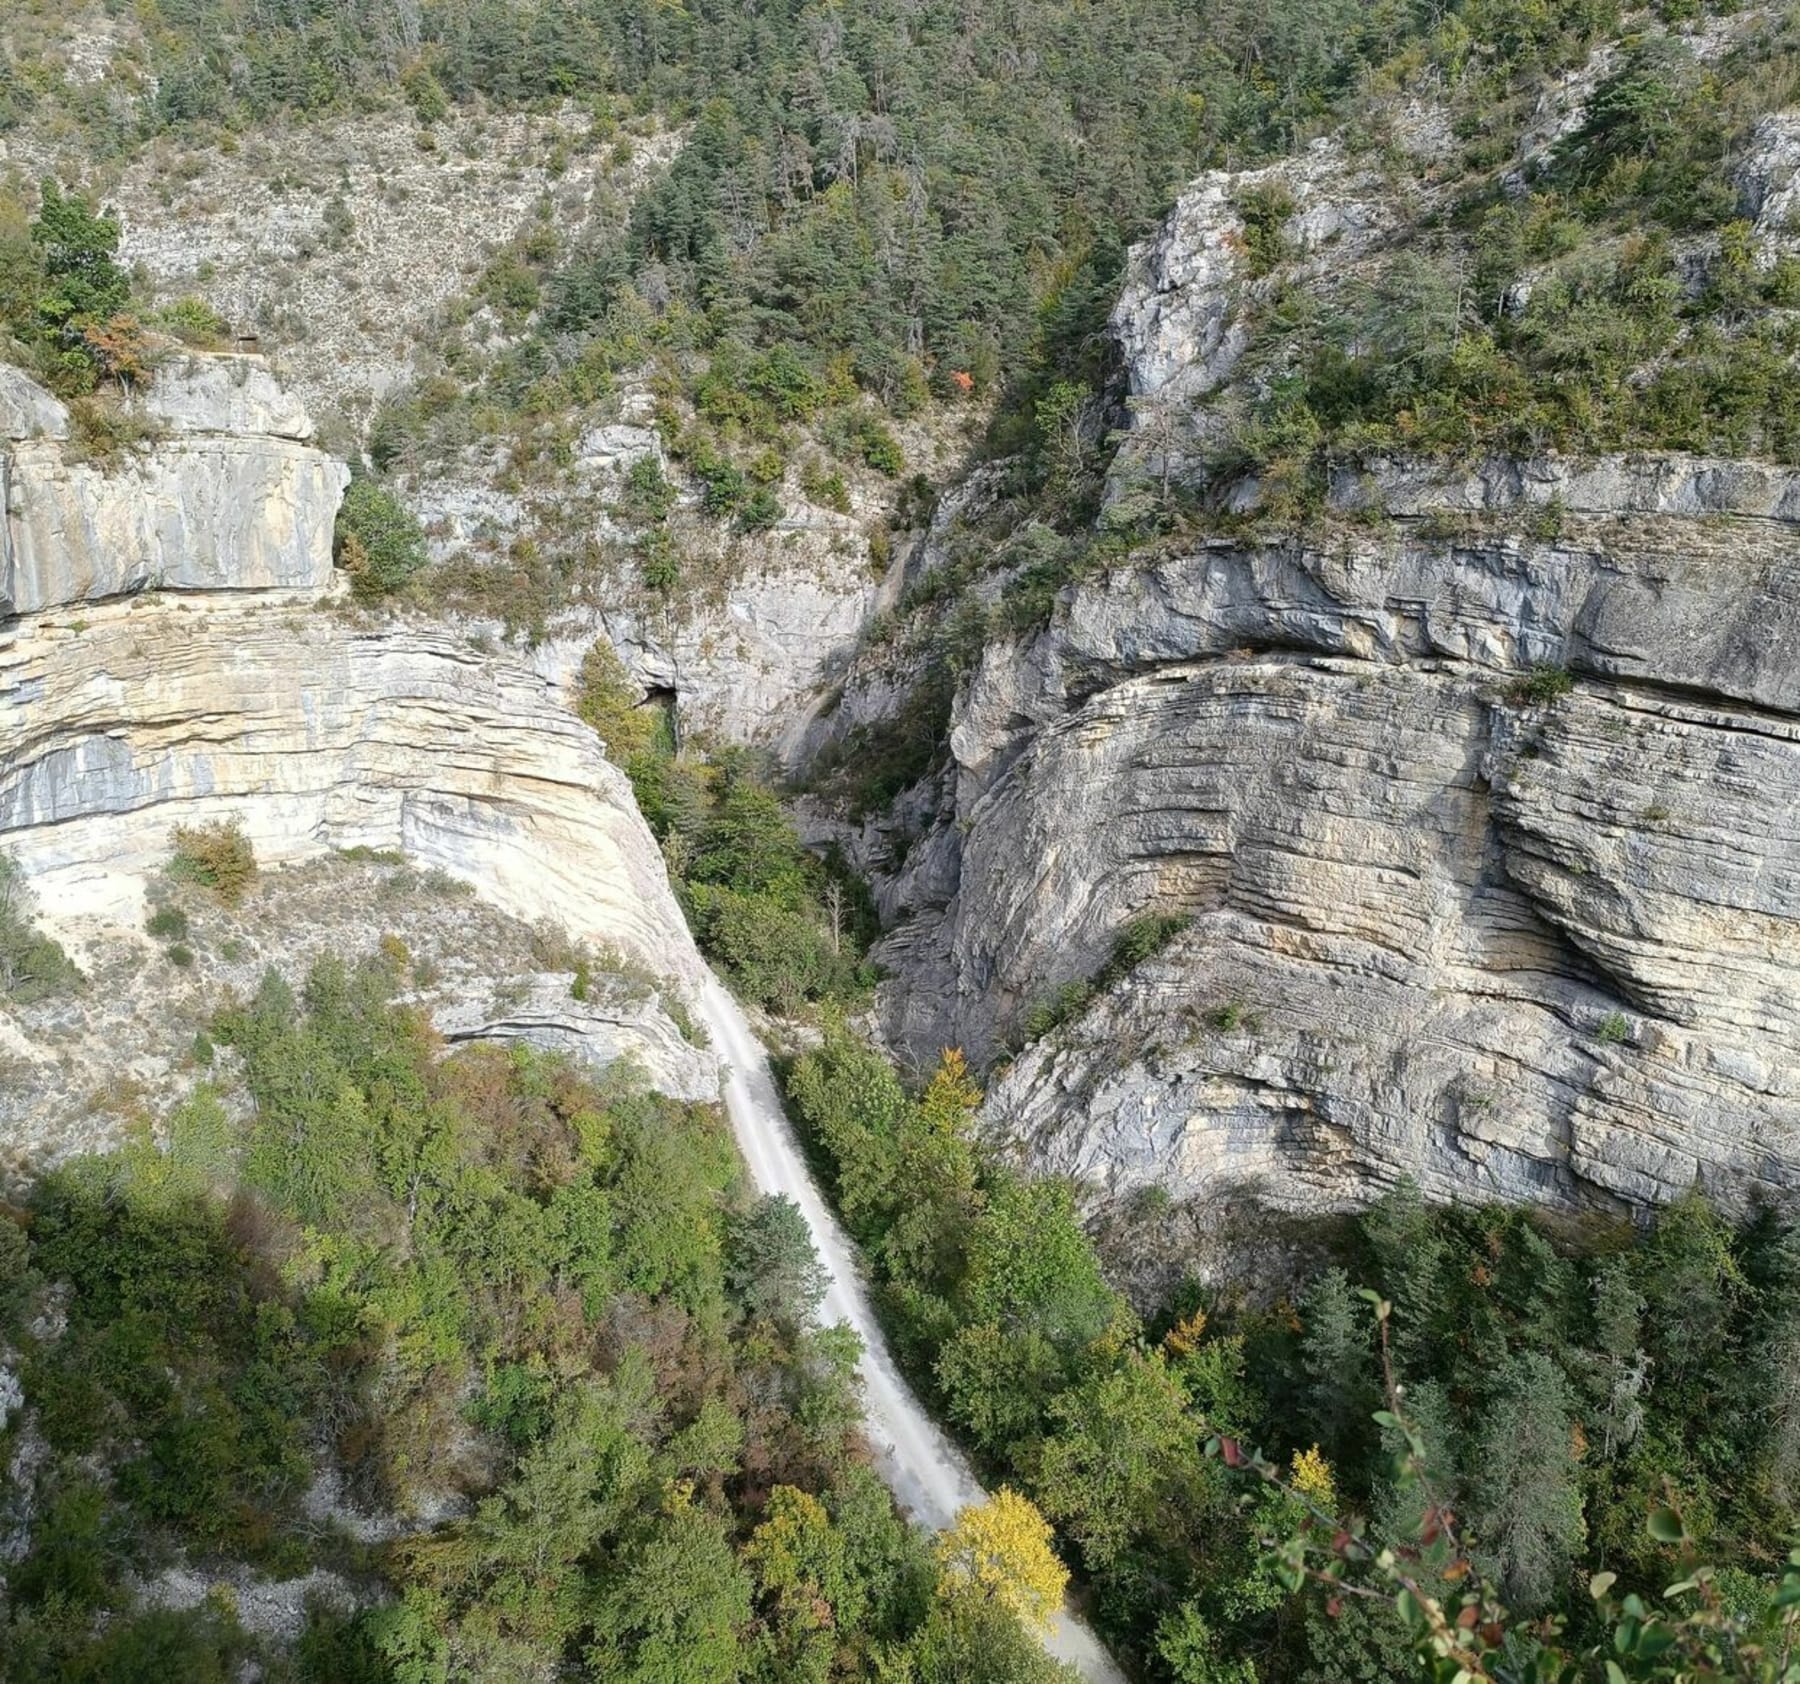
1478, 790
225, 690
233, 496
761, 624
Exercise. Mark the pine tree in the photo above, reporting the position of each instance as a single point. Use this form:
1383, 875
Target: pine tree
1337, 1367
1528, 1513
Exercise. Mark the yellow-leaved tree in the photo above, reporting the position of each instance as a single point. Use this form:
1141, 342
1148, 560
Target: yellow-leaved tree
1001, 1548
1311, 1476
949, 1103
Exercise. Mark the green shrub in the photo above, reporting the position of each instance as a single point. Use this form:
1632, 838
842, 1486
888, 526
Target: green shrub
32, 966
880, 449
84, 288
1141, 938
825, 486
1049, 1014
216, 856
1265, 211
180, 955
378, 542
761, 510
607, 699
168, 923
425, 94
724, 484
105, 434
781, 957
1614, 1029
1541, 686
648, 494
194, 322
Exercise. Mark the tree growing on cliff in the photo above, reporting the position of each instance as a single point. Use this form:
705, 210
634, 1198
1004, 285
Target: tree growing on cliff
80, 313
609, 701
378, 542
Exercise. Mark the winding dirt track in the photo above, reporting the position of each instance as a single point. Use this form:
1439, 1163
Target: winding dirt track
927, 1472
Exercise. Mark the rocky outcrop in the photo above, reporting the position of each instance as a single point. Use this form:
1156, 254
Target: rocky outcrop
599, 1032
314, 734
227, 494
1487, 846
1476, 793
341, 241
1182, 321
759, 623
261, 707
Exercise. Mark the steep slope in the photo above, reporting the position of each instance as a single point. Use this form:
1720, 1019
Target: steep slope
1469, 773
178, 658
187, 694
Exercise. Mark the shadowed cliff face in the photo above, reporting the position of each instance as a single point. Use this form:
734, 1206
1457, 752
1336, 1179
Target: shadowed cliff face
1479, 794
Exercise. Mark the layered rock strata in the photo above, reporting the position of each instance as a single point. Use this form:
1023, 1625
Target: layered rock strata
1488, 842
1479, 792
177, 668
223, 493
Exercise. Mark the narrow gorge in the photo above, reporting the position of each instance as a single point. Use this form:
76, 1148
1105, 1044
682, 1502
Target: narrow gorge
921, 843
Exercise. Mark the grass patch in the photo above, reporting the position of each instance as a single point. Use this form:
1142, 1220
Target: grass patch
1140, 939
32, 966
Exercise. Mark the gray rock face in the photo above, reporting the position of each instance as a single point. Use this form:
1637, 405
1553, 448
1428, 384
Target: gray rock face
225, 394
597, 1033
1182, 320
161, 709
1443, 924
27, 411
1479, 799
314, 735
1769, 182
230, 498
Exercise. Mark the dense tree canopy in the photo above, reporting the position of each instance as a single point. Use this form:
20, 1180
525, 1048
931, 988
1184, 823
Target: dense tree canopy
486, 1286
1565, 1384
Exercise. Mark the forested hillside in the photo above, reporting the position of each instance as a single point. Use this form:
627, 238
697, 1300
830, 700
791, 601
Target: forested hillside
483, 1277
932, 190
1563, 1384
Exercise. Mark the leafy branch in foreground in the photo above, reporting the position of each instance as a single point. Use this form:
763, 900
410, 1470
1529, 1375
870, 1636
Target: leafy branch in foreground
1462, 1629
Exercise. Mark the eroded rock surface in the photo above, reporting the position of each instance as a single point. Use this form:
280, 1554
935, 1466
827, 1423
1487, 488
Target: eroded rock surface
263, 707
230, 496
1479, 799
1447, 920
1478, 793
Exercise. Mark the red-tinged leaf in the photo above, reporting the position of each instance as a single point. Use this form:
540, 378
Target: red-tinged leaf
1334, 1605
1340, 1542
1467, 1618
1456, 1570
1232, 1452
1493, 1636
